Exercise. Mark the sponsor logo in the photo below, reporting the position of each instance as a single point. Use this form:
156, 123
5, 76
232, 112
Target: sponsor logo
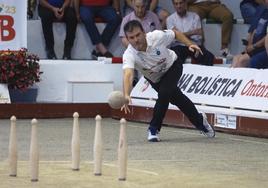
7, 31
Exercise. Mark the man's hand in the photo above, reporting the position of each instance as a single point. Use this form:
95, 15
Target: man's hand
56, 12
125, 107
61, 13
194, 48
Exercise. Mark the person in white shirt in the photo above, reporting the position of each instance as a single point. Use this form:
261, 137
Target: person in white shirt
148, 52
190, 25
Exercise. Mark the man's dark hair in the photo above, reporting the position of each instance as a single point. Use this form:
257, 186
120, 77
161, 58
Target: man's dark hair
129, 26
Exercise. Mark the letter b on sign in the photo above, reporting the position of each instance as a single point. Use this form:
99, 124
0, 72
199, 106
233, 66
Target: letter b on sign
7, 31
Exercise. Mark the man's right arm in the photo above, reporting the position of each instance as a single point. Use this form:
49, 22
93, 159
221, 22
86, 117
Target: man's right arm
128, 75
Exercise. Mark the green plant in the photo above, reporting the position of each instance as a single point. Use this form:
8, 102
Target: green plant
19, 69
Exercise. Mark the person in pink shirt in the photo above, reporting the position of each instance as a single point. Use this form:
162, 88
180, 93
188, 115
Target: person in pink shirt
148, 19
153, 6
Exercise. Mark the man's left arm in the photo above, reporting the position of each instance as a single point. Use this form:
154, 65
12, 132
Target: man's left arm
183, 39
194, 32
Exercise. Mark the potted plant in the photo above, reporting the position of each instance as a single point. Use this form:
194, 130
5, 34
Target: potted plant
19, 70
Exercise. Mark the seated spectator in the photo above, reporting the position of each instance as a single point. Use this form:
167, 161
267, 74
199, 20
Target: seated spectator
189, 24
88, 10
261, 60
50, 11
255, 50
148, 19
152, 6
31, 6
216, 10
249, 8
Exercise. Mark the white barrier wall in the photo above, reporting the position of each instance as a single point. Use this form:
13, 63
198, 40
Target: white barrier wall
78, 81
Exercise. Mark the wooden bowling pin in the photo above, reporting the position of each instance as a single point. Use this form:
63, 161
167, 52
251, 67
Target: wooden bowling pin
98, 147
75, 143
13, 153
122, 151
34, 152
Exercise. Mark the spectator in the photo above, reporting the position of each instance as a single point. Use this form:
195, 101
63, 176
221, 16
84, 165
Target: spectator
216, 10
255, 53
152, 6
50, 11
31, 8
89, 10
189, 24
148, 19
261, 59
249, 8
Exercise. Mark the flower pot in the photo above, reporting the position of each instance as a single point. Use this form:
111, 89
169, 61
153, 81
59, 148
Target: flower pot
28, 96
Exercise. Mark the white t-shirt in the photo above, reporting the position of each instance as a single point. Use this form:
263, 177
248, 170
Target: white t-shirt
189, 22
157, 59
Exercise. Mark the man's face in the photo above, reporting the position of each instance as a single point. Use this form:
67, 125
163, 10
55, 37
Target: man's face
137, 38
180, 7
139, 8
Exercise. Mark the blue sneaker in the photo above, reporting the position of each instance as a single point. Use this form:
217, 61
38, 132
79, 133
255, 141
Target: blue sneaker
153, 137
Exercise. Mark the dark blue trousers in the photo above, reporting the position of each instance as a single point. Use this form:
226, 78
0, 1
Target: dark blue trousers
168, 92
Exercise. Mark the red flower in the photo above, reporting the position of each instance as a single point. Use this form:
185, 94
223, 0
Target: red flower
19, 69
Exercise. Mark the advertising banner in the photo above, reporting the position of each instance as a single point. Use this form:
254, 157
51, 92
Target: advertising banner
218, 86
13, 24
